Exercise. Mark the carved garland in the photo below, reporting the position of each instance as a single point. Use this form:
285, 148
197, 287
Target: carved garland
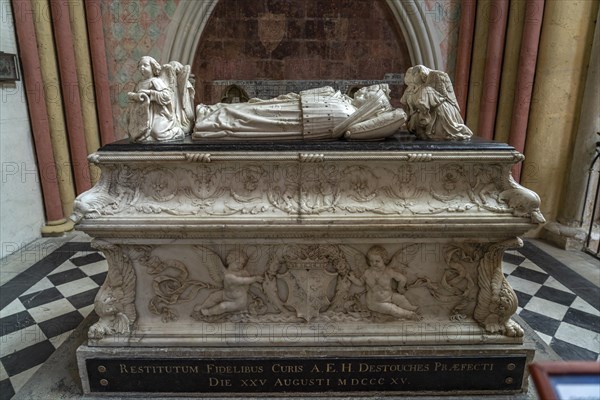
171, 284
311, 189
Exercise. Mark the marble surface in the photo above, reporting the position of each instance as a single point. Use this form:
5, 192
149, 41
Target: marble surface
402, 141
154, 213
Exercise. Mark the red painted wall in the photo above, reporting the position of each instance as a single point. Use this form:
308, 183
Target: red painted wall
302, 40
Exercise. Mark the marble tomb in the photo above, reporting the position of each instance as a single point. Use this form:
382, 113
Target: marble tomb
304, 244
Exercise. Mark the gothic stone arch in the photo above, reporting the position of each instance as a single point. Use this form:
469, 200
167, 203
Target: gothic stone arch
183, 34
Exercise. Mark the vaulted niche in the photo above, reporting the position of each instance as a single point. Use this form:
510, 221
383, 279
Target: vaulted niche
270, 47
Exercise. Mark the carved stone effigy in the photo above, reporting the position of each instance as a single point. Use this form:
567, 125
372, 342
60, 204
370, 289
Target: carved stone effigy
338, 248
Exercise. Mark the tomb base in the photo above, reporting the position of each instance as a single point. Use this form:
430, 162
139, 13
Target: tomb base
342, 268
356, 371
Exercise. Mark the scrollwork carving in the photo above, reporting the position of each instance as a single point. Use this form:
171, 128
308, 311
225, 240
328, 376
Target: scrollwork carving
308, 188
457, 278
308, 283
496, 301
171, 283
114, 302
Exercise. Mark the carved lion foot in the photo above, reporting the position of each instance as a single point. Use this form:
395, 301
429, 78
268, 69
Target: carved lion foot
509, 328
512, 329
99, 330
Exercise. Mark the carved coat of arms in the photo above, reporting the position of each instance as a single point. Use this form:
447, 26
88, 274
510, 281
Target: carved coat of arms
308, 283
271, 30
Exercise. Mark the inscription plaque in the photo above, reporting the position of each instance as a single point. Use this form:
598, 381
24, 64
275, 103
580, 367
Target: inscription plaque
308, 375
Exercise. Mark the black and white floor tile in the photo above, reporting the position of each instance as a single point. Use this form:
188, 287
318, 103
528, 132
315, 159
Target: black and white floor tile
41, 307
560, 305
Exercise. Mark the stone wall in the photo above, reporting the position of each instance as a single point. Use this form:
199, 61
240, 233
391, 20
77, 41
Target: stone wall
282, 40
21, 209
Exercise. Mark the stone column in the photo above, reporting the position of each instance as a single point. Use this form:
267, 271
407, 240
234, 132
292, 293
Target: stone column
98, 54
53, 98
86, 82
566, 39
32, 76
493, 68
478, 64
533, 15
568, 231
70, 89
510, 64
468, 10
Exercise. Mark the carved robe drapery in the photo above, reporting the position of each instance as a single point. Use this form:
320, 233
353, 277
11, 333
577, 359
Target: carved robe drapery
310, 115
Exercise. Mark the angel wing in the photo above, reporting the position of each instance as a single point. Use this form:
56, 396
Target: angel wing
406, 254
184, 95
212, 262
441, 82
356, 260
168, 76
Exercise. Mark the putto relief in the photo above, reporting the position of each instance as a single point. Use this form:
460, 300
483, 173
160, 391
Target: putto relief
319, 283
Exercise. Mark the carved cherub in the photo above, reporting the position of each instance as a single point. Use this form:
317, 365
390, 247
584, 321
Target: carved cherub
161, 108
378, 280
433, 112
235, 282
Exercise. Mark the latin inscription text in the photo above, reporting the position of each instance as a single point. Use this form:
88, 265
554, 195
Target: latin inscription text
325, 374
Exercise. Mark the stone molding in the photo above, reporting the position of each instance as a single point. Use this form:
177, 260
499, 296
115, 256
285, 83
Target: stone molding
395, 187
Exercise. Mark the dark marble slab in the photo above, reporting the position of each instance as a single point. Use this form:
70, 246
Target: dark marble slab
398, 142
303, 375
59, 378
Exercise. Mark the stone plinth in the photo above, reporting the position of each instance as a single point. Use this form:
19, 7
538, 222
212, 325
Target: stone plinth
311, 247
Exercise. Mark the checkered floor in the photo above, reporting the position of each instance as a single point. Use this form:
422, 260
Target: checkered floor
561, 306
42, 306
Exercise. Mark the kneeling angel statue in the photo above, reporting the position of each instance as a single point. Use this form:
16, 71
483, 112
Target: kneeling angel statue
162, 106
432, 108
